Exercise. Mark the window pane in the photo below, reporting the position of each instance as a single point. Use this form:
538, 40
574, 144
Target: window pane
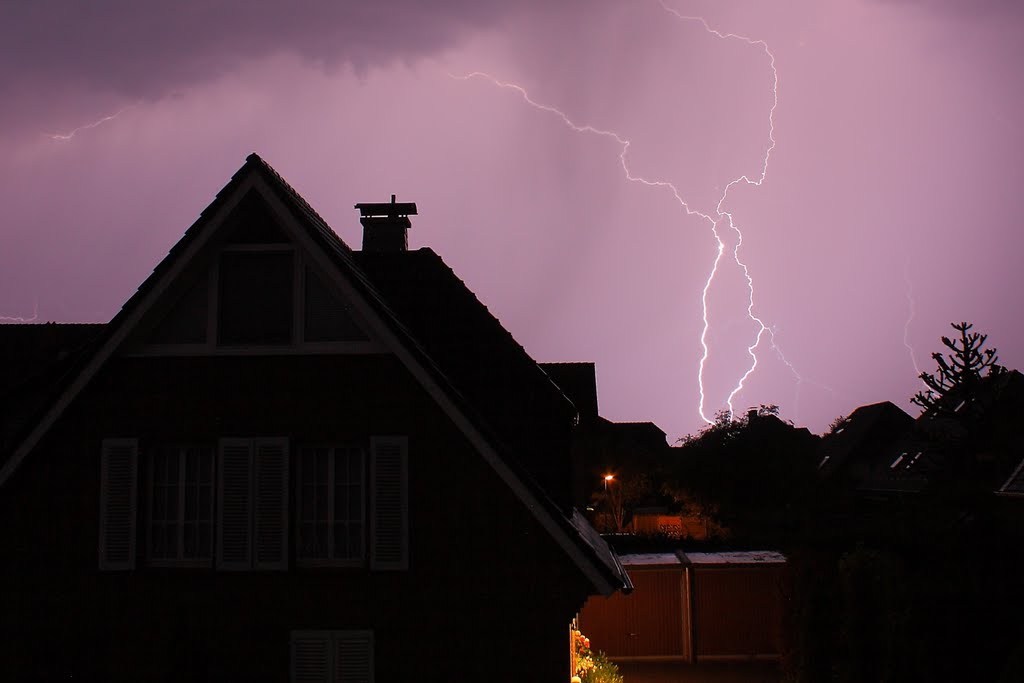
181, 507
328, 318
205, 537
172, 540
205, 503
185, 322
255, 298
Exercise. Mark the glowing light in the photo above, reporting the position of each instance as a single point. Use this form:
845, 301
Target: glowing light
64, 137
6, 319
911, 311
800, 379
714, 217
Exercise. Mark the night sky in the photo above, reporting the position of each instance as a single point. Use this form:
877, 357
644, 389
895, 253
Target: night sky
876, 145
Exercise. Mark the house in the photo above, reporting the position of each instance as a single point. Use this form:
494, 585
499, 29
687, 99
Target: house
606, 453
853, 448
880, 450
284, 459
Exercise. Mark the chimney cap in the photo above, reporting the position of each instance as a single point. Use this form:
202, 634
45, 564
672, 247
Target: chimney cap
386, 209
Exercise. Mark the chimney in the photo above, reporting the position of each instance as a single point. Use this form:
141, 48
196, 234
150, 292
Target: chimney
385, 226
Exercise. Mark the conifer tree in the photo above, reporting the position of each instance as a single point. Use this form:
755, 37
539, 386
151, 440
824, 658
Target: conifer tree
959, 373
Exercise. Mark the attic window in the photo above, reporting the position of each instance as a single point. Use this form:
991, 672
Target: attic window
328, 318
255, 298
252, 222
185, 323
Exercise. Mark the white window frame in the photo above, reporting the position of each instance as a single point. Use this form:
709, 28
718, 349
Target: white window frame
331, 560
180, 560
298, 344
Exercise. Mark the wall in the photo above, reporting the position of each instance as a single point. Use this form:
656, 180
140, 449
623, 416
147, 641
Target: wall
488, 594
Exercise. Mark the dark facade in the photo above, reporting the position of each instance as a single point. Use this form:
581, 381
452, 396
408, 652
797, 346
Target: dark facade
231, 483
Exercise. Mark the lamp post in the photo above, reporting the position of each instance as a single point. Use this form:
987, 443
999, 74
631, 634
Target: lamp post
608, 478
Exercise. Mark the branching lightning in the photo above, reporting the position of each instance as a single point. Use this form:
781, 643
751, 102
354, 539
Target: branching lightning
718, 218
911, 312
64, 137
7, 319
800, 379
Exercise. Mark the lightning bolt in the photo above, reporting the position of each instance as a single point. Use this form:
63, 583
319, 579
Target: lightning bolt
64, 137
911, 311
7, 319
800, 379
718, 219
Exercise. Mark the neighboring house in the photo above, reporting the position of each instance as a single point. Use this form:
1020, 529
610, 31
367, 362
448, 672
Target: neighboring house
857, 448
287, 460
881, 450
625, 451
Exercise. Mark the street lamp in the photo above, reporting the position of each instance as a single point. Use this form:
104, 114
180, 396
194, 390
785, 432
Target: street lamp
608, 478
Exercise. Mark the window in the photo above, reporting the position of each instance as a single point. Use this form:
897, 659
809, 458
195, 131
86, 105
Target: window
180, 505
327, 318
331, 505
185, 322
228, 506
255, 298
332, 657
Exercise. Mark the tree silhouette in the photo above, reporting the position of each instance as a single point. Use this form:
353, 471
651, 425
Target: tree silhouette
959, 373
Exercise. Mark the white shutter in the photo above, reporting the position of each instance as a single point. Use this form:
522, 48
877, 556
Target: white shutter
389, 517
118, 473
234, 546
353, 657
310, 657
271, 505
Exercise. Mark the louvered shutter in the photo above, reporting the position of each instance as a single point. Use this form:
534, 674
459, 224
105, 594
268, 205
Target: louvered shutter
310, 657
271, 505
234, 547
119, 460
389, 519
353, 657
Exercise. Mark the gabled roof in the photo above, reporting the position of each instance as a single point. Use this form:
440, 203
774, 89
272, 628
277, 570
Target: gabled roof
320, 239
1014, 485
35, 360
866, 432
579, 382
479, 356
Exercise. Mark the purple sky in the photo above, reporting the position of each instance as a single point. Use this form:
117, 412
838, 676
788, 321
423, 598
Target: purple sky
890, 205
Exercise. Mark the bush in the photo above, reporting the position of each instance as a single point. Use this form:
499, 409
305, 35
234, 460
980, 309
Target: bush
603, 671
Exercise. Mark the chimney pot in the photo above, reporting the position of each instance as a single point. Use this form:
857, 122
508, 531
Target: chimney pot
386, 225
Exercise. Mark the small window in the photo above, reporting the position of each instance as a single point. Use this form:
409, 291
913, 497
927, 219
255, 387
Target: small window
255, 298
331, 505
328, 318
185, 322
180, 493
